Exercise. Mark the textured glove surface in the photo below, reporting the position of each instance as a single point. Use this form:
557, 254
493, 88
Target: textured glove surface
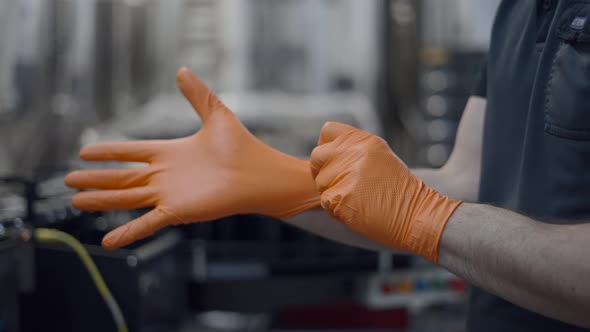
364, 185
219, 171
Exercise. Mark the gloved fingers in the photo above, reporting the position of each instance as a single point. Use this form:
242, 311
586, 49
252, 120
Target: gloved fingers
323, 155
329, 175
330, 201
332, 130
319, 156
332, 137
336, 201
125, 199
110, 178
203, 100
132, 151
348, 147
138, 229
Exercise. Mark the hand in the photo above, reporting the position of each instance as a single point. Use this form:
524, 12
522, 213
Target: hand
219, 171
364, 185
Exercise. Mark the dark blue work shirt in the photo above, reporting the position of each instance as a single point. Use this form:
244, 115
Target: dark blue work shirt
536, 150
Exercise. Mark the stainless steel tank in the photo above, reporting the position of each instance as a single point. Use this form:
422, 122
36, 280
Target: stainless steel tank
66, 65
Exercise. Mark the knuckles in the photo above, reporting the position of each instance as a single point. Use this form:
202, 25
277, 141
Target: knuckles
365, 146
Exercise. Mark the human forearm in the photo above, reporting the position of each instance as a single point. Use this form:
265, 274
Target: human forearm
539, 266
542, 267
459, 186
319, 222
459, 177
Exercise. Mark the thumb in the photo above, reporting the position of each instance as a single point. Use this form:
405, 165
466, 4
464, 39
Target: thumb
203, 100
332, 130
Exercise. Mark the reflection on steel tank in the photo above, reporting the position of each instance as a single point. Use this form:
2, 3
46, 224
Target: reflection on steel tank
66, 65
452, 38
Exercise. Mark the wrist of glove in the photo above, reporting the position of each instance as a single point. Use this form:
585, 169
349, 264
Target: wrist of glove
364, 185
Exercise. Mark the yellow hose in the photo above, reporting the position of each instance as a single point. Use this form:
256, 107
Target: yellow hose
53, 235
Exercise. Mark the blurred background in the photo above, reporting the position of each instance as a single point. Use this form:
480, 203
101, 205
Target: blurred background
74, 72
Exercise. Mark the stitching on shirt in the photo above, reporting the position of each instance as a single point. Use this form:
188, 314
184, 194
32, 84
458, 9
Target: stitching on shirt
550, 126
566, 133
549, 86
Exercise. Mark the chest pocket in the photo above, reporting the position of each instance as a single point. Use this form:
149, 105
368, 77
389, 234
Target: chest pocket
567, 104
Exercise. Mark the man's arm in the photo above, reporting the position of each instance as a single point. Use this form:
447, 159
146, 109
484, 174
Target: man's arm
458, 178
539, 266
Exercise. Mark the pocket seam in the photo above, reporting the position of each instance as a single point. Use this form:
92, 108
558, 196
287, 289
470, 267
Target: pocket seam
558, 131
549, 85
549, 125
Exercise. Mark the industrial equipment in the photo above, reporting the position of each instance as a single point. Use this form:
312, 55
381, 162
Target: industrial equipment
77, 72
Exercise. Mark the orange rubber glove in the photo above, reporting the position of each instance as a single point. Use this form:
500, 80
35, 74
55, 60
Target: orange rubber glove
364, 185
219, 171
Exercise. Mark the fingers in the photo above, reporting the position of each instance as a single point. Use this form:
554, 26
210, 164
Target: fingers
132, 151
327, 145
334, 201
333, 163
318, 158
203, 100
332, 130
337, 140
110, 178
330, 201
138, 229
104, 200
328, 176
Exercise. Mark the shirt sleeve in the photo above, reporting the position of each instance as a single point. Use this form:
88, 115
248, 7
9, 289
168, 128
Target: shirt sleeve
480, 85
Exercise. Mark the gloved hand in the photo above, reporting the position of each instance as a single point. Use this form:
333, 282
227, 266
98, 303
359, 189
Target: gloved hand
364, 185
219, 171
